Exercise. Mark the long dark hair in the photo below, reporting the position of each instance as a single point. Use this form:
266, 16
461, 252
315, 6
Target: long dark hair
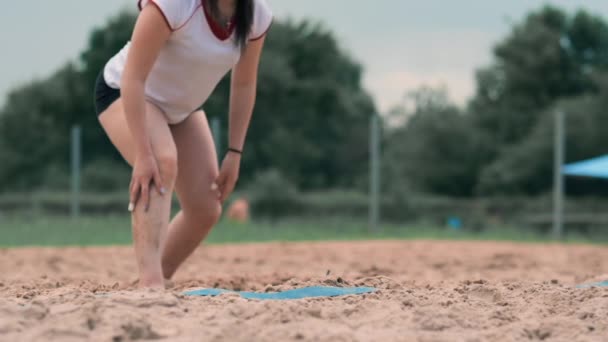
243, 20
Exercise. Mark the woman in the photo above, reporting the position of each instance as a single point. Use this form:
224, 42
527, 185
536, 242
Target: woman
147, 98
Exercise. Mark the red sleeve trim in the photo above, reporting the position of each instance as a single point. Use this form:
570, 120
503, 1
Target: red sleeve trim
191, 16
264, 33
152, 2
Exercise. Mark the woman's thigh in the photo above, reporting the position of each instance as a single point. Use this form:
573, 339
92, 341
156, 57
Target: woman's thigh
115, 125
197, 163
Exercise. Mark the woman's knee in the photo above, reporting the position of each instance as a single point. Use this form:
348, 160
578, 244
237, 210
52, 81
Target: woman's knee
167, 165
206, 211
216, 211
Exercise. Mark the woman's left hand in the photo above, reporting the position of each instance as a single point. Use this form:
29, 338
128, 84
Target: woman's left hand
229, 175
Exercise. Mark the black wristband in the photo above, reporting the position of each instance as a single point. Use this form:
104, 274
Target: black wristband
234, 150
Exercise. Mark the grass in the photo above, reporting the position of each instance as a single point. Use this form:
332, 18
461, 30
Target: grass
95, 231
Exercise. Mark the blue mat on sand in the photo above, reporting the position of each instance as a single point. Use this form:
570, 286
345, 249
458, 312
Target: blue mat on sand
600, 284
306, 292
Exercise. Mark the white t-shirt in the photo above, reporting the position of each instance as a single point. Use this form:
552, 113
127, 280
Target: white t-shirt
196, 57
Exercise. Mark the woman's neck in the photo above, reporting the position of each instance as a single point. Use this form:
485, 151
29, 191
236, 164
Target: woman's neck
224, 9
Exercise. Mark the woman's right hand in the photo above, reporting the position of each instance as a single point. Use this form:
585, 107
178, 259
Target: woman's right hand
145, 174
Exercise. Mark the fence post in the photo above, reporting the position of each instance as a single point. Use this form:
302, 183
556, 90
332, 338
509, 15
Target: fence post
75, 158
558, 186
374, 186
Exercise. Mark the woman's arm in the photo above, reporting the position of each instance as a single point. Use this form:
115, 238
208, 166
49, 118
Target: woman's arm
242, 100
149, 36
243, 92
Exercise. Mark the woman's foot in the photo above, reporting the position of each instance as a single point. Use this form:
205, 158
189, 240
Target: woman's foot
169, 284
151, 282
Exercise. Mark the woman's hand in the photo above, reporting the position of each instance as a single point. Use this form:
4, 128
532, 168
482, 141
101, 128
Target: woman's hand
145, 174
229, 174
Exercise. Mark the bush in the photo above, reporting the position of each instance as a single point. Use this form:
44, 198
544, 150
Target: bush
105, 176
56, 178
333, 203
272, 195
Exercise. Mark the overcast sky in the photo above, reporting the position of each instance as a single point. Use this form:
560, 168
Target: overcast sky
401, 43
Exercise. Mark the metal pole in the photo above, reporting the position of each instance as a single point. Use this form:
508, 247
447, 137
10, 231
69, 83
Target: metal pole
558, 187
76, 152
217, 134
374, 198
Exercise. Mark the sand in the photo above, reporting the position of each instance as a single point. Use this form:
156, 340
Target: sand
428, 291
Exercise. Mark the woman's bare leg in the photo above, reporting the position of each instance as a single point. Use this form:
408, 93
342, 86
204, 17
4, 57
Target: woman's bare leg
149, 227
201, 208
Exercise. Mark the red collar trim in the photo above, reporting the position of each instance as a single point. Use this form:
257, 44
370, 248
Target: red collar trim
220, 32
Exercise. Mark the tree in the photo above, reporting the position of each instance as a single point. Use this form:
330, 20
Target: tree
311, 117
310, 120
527, 167
437, 150
548, 58
33, 134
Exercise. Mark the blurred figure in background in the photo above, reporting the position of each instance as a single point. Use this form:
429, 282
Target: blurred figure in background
239, 211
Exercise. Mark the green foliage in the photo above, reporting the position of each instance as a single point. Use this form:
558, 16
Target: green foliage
308, 90
527, 167
437, 150
105, 176
35, 123
503, 142
31, 133
56, 178
272, 195
547, 59
311, 116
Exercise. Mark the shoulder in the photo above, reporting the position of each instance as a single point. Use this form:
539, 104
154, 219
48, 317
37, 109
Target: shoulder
176, 12
262, 19
262, 7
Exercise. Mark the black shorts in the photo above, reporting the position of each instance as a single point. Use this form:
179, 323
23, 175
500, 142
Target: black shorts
104, 94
